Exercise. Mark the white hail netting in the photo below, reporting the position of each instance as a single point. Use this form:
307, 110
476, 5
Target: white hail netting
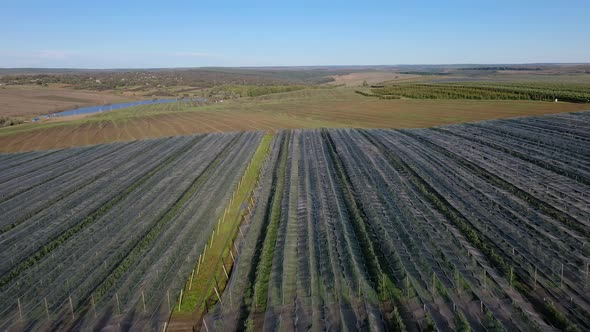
368, 220
428, 257
172, 256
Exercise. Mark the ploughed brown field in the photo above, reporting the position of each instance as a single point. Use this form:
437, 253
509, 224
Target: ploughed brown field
357, 79
30, 101
334, 108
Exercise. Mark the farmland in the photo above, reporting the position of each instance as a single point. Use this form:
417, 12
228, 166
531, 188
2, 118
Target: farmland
272, 99
478, 226
490, 91
148, 81
481, 226
307, 108
28, 101
112, 228
357, 79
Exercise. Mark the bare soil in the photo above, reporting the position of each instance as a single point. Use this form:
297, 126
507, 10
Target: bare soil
357, 79
352, 113
32, 100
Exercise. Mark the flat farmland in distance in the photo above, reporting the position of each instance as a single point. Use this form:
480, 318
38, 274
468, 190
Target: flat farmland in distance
34, 100
357, 79
311, 108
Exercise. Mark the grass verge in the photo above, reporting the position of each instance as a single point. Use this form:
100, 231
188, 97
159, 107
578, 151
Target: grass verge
209, 277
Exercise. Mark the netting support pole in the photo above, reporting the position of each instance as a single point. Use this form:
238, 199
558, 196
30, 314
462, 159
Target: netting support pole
408, 284
93, 305
20, 311
180, 299
46, 307
71, 307
168, 296
199, 264
224, 270
205, 324
561, 279
535, 281
118, 306
383, 284
217, 293
433, 282
143, 301
190, 284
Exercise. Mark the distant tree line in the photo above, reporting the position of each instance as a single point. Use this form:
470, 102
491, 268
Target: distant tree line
6, 121
237, 91
369, 94
141, 80
502, 68
540, 92
424, 73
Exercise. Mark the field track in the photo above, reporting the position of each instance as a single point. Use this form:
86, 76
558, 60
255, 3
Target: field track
481, 225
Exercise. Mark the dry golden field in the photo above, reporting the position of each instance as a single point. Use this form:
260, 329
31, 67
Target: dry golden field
357, 79
314, 108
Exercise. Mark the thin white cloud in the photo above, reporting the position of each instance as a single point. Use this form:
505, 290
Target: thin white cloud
195, 54
53, 54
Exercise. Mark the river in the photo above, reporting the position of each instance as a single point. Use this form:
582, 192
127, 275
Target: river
112, 107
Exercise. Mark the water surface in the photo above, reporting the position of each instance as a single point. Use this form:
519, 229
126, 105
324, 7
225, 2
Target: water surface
111, 107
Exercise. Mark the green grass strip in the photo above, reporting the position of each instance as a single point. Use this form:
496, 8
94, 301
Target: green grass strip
268, 248
200, 290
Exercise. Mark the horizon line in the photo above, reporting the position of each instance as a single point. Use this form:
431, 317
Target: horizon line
307, 66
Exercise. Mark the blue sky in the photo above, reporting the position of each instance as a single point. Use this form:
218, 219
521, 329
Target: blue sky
134, 34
